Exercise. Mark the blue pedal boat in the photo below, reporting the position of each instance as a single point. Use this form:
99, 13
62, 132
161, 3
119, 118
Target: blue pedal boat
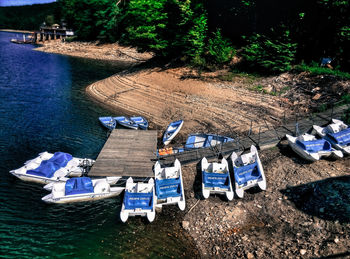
139, 200
169, 185
216, 178
108, 122
201, 140
310, 148
171, 131
126, 122
337, 133
140, 121
248, 171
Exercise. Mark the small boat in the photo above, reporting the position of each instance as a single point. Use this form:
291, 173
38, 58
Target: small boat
337, 133
216, 179
169, 185
48, 167
248, 171
138, 200
140, 121
82, 189
171, 131
108, 122
312, 149
126, 122
200, 140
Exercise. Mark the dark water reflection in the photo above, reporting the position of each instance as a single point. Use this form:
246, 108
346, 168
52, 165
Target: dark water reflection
43, 107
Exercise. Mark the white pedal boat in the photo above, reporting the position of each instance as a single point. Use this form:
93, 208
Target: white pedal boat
82, 189
248, 171
337, 133
312, 149
216, 179
48, 167
169, 185
139, 200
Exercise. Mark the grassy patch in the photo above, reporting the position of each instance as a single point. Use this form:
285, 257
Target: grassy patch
314, 69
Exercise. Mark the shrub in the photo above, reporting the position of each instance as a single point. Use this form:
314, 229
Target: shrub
220, 49
268, 54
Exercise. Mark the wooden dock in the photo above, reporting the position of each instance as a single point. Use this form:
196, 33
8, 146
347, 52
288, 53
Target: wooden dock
127, 153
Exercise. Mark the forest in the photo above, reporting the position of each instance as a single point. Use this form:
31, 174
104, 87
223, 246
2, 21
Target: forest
267, 36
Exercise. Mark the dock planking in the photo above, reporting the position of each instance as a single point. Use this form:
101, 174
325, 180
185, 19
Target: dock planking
127, 153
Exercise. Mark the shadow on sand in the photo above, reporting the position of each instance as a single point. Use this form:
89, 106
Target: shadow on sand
328, 199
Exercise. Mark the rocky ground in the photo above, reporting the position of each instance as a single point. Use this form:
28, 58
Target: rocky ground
304, 213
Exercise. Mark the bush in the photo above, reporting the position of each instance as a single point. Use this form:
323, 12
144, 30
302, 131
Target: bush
315, 69
220, 49
269, 55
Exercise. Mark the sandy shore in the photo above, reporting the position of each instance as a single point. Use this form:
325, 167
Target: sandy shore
295, 218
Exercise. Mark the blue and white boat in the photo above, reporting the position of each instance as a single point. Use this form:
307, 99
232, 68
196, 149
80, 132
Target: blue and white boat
140, 121
171, 131
126, 122
169, 185
216, 179
139, 200
80, 189
108, 122
248, 171
337, 133
310, 148
200, 140
48, 167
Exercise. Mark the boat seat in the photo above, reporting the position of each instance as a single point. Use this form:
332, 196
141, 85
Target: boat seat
247, 173
166, 188
342, 138
221, 180
138, 201
314, 146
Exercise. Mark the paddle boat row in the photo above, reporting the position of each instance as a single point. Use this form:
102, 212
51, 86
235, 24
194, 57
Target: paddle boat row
48, 167
333, 141
80, 189
141, 199
135, 122
247, 170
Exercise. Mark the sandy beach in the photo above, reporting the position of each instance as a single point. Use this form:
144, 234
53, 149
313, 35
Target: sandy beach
290, 219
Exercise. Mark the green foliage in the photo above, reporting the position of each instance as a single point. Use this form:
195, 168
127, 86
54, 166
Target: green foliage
92, 19
146, 23
220, 49
315, 69
28, 17
269, 54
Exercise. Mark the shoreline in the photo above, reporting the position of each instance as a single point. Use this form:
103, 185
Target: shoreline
268, 224
18, 31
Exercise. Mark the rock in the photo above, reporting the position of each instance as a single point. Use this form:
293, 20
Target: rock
303, 251
250, 255
185, 224
336, 240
